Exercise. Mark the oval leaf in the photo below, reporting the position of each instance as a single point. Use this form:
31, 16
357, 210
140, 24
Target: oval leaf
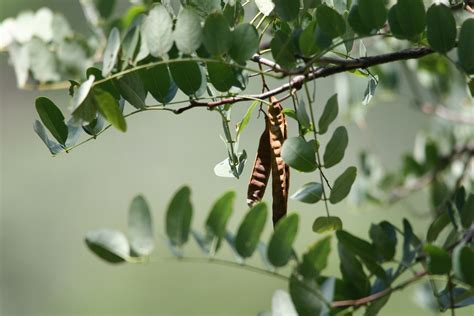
110, 245
188, 32
299, 154
441, 28
310, 193
373, 13
336, 147
52, 118
111, 52
131, 89
187, 76
327, 223
280, 246
157, 80
411, 17
466, 46
287, 9
140, 227
250, 230
330, 21
158, 31
342, 185
221, 75
219, 216
463, 261
216, 35
438, 259
178, 217
244, 33
329, 114
109, 108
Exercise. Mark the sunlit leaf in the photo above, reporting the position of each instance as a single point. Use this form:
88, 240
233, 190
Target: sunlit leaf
188, 32
331, 109
310, 193
158, 31
110, 245
140, 227
327, 223
111, 52
109, 108
299, 154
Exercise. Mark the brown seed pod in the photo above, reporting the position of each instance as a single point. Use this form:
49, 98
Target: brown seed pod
261, 168
280, 170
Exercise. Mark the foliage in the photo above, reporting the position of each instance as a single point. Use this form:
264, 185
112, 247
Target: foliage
210, 52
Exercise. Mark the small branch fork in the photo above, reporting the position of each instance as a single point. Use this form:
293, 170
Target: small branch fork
320, 72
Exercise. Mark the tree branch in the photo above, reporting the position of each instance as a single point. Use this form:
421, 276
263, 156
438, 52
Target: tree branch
320, 72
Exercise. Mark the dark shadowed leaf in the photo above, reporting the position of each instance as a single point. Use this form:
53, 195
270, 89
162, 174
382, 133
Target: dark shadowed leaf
110, 245
336, 147
384, 239
250, 230
441, 28
216, 34
131, 89
463, 261
466, 46
342, 185
467, 215
299, 154
373, 13
221, 75
280, 246
178, 217
140, 227
187, 76
305, 296
356, 23
310, 193
411, 17
356, 245
329, 114
330, 21
282, 50
353, 273
437, 226
287, 9
52, 118
157, 81
243, 33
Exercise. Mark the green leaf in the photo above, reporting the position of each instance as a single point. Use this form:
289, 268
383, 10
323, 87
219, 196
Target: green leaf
353, 274
221, 75
216, 34
52, 118
129, 46
437, 226
140, 227
244, 33
315, 260
280, 246
105, 7
158, 31
282, 50
188, 33
219, 216
411, 16
373, 13
342, 185
131, 89
299, 154
111, 52
466, 46
83, 109
463, 261
356, 245
287, 10
329, 114
110, 245
438, 259
384, 239
109, 108
356, 23
157, 80
250, 230
178, 217
305, 296
265, 6
330, 21
441, 28
302, 115
307, 40
310, 193
245, 120
467, 215
336, 147
187, 76
106, 85
395, 26
327, 223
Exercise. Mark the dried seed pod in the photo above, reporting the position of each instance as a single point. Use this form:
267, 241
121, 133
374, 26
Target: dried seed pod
261, 168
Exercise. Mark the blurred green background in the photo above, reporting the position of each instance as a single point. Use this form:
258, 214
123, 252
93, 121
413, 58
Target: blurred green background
48, 204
